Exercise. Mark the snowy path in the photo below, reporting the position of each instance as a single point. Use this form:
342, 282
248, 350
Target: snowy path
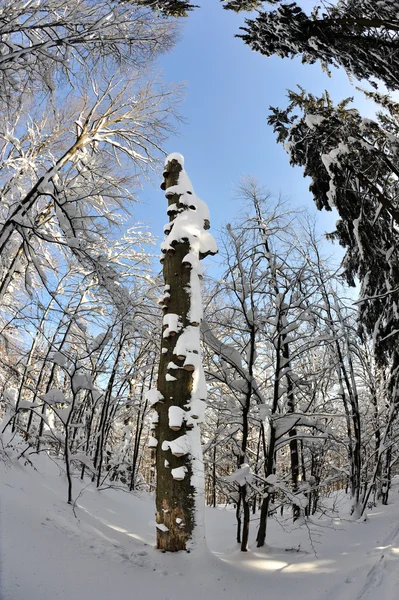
46, 553
382, 579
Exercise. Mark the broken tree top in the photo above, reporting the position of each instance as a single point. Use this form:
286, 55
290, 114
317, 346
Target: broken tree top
189, 215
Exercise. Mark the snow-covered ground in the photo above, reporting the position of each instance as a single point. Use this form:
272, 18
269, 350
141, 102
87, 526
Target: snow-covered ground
106, 549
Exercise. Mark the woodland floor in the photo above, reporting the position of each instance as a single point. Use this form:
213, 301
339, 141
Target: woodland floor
107, 550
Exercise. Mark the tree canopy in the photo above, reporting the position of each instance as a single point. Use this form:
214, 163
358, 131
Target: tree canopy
351, 162
362, 36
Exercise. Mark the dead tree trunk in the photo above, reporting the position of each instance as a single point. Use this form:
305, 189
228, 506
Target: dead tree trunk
181, 391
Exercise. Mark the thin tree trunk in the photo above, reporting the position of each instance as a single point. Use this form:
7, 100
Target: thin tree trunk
294, 456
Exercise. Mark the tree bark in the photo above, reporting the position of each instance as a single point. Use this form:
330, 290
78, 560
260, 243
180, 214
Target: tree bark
175, 492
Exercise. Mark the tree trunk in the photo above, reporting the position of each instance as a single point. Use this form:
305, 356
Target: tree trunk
294, 455
178, 453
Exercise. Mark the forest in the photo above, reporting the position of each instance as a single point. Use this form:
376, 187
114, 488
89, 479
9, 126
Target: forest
213, 408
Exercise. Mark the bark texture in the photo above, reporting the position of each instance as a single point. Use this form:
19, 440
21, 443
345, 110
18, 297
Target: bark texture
181, 391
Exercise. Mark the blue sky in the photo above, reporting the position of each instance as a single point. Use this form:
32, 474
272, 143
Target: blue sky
229, 89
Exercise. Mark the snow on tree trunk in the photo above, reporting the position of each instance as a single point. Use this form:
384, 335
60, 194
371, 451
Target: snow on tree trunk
179, 398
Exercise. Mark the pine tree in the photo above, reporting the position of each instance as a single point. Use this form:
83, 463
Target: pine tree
362, 36
352, 165
169, 8
238, 5
179, 399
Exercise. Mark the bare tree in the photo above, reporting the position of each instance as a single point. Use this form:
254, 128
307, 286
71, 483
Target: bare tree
179, 398
42, 42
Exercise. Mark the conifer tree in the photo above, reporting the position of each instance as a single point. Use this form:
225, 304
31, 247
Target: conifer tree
238, 5
169, 8
362, 36
352, 163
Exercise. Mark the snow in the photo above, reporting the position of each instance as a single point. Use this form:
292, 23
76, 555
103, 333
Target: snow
271, 479
107, 549
264, 411
81, 381
241, 476
240, 385
26, 405
172, 324
198, 540
84, 459
188, 341
179, 446
199, 391
63, 413
179, 473
161, 527
55, 396
195, 313
164, 298
10, 396
193, 360
193, 260
154, 418
175, 156
188, 224
153, 396
100, 340
227, 351
59, 359
172, 365
313, 120
328, 160
176, 415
